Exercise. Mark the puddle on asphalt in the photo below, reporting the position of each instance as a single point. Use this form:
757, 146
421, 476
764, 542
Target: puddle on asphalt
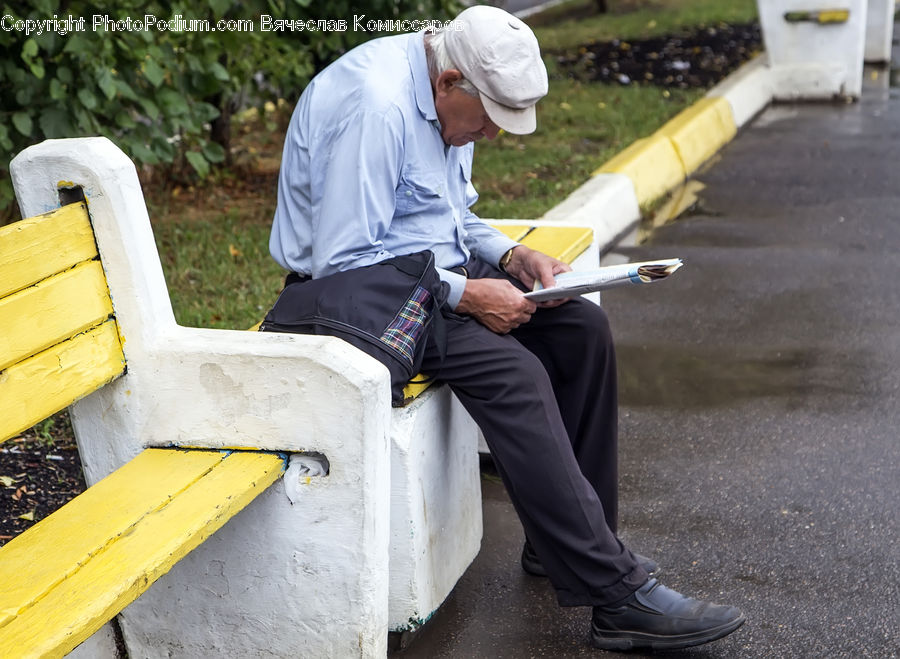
692, 377
682, 201
682, 377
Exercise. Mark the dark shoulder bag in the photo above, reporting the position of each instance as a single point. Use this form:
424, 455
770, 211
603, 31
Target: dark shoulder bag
388, 310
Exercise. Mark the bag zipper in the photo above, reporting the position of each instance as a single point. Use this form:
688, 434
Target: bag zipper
350, 329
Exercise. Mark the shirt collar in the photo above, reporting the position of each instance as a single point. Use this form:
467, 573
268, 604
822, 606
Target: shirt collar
421, 80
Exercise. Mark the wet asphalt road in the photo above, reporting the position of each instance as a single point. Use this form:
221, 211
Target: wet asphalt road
760, 418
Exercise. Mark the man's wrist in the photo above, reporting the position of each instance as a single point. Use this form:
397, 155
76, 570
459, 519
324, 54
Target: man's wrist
506, 258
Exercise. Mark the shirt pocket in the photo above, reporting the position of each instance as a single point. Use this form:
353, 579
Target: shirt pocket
421, 196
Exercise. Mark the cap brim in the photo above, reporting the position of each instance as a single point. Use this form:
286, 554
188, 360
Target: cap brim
512, 120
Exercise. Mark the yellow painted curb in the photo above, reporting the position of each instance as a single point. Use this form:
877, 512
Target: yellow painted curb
652, 164
700, 130
661, 162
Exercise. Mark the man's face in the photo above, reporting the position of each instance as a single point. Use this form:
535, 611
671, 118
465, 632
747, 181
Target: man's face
462, 116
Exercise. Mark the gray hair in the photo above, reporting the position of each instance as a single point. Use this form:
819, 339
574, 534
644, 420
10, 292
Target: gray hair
439, 60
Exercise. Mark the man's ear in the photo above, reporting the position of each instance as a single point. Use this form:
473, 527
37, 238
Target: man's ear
447, 80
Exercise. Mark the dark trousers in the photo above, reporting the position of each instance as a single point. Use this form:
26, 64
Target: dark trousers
545, 398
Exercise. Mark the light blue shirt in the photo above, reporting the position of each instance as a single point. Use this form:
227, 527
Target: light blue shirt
366, 176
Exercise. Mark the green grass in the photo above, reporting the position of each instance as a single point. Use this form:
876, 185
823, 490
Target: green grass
576, 23
219, 272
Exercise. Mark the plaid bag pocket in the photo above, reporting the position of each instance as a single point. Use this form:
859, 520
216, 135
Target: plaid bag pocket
404, 331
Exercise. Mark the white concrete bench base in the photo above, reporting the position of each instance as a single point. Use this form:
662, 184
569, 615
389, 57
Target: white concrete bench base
435, 504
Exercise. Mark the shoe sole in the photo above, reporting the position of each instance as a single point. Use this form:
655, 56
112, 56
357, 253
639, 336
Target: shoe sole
625, 640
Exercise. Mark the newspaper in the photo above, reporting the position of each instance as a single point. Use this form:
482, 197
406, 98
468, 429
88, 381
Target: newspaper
570, 284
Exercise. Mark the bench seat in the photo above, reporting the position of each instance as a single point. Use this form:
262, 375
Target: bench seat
99, 552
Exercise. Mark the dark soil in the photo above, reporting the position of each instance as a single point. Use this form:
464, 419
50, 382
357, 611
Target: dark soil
39, 472
696, 59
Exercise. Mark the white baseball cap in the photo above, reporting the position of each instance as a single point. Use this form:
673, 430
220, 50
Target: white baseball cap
499, 55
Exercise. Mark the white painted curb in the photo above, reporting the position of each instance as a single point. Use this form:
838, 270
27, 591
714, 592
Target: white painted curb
748, 90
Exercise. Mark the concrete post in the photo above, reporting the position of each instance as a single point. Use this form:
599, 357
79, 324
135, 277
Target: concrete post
815, 47
879, 31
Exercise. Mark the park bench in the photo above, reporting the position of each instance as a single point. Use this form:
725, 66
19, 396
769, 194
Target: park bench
338, 518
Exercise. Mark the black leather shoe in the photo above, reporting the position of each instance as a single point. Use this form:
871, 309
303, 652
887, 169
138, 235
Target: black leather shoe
659, 618
532, 564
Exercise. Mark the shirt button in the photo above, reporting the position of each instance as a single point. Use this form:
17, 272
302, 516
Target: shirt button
409, 193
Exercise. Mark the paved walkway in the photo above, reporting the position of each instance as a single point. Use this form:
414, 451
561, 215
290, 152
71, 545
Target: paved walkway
760, 420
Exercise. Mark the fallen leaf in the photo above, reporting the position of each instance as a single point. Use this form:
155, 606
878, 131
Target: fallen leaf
234, 251
28, 517
7, 481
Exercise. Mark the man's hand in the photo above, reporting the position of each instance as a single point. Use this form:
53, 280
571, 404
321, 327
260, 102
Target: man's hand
496, 304
528, 266
500, 306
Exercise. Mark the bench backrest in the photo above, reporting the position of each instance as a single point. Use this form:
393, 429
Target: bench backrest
58, 338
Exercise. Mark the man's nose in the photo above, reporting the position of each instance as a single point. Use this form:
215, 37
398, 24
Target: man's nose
490, 129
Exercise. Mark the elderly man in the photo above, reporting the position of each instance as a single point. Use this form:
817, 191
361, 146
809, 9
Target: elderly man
377, 163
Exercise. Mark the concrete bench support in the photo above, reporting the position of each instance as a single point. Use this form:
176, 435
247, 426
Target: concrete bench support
879, 31
814, 52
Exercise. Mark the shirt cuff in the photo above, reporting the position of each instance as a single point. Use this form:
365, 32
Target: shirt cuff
491, 251
457, 284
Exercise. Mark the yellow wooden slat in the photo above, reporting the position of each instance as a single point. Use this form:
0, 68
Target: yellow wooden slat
513, 231
128, 565
51, 311
563, 243
54, 548
43, 384
413, 389
37, 247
